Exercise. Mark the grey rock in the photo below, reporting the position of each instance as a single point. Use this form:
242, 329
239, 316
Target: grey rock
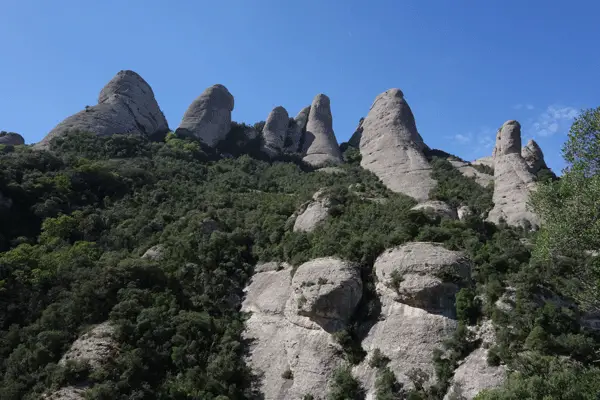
474, 375
125, 105
470, 172
487, 161
437, 208
208, 118
513, 180
392, 148
280, 344
355, 138
320, 147
271, 266
95, 347
533, 156
154, 253
275, 130
312, 214
296, 132
327, 291
11, 138
67, 393
464, 212
423, 275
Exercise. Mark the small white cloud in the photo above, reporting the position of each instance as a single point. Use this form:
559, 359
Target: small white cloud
518, 106
463, 138
529, 106
554, 120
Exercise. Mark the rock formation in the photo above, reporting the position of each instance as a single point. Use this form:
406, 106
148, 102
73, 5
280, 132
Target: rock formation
438, 208
11, 138
313, 213
470, 172
275, 130
487, 161
513, 180
297, 130
392, 148
208, 118
463, 212
534, 157
125, 105
319, 145
327, 291
355, 138
294, 355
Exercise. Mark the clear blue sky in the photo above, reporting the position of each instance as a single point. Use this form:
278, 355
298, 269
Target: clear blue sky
464, 66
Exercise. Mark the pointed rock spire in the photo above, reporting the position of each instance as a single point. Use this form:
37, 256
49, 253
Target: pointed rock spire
513, 180
392, 148
534, 157
208, 118
320, 146
125, 105
275, 130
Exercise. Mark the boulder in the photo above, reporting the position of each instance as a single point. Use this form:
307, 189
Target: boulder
327, 290
297, 130
95, 347
533, 156
437, 208
513, 180
11, 138
208, 118
154, 253
392, 148
423, 275
474, 375
275, 130
291, 359
319, 145
67, 393
313, 213
464, 212
125, 105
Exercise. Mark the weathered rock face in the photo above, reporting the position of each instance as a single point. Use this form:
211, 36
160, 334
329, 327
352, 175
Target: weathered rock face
296, 132
95, 347
313, 213
67, 393
513, 180
355, 138
294, 355
392, 148
319, 144
275, 130
125, 105
487, 161
327, 291
470, 172
422, 275
464, 212
438, 208
533, 156
154, 253
11, 138
208, 118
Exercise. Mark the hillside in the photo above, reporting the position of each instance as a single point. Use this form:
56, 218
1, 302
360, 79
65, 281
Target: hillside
228, 261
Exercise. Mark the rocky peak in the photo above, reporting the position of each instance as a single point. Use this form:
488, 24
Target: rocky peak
208, 118
275, 130
508, 139
11, 138
392, 148
320, 146
296, 131
533, 155
126, 104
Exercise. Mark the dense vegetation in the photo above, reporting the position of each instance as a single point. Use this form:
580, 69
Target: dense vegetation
75, 220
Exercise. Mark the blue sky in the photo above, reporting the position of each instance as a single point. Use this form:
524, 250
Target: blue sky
465, 67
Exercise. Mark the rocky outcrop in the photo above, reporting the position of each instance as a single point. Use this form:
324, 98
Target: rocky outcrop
208, 118
487, 161
125, 105
464, 212
422, 275
313, 213
327, 291
293, 354
67, 393
11, 138
470, 172
154, 253
392, 148
533, 156
437, 208
355, 138
297, 130
320, 147
513, 180
275, 131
